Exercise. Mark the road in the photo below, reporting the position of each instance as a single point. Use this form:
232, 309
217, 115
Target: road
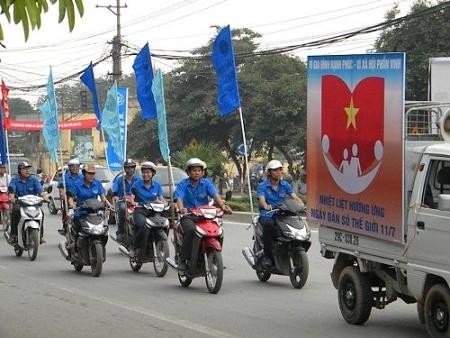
47, 298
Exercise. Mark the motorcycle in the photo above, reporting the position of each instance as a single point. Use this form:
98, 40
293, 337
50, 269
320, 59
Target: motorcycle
289, 248
30, 226
4, 207
156, 246
89, 246
206, 253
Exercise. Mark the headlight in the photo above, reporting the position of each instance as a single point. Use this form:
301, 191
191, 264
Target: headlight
33, 213
95, 229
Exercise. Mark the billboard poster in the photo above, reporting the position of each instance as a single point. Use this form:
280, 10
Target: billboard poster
355, 159
83, 148
114, 162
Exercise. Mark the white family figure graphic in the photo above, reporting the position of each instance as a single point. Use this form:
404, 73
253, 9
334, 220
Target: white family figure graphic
352, 169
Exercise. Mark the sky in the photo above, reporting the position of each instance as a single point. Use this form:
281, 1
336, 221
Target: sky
178, 26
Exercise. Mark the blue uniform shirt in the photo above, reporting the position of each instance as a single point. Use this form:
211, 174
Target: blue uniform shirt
71, 180
144, 194
195, 196
273, 197
29, 186
84, 192
117, 187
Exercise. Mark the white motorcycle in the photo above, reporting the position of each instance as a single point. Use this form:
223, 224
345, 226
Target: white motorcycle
29, 228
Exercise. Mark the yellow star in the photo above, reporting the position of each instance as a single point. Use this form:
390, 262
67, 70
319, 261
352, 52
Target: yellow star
351, 112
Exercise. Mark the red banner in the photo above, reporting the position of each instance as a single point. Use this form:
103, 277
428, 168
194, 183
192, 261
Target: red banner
37, 125
5, 105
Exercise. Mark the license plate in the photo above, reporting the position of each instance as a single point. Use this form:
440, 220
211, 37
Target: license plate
346, 237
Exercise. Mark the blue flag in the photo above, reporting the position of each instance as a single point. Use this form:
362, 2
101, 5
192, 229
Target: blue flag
158, 93
227, 86
89, 80
110, 121
50, 129
143, 71
3, 156
114, 163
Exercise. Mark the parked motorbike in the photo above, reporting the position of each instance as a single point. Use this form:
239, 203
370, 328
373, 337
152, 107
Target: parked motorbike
89, 246
288, 248
156, 245
29, 228
4, 207
206, 255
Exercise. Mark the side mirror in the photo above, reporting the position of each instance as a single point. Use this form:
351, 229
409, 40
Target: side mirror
49, 189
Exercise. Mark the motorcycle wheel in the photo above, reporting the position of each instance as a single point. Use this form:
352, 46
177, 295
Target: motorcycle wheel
159, 262
135, 266
33, 244
96, 258
184, 280
214, 277
263, 275
299, 275
18, 251
52, 207
78, 267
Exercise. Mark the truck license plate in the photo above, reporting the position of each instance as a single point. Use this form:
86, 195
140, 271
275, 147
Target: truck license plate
345, 237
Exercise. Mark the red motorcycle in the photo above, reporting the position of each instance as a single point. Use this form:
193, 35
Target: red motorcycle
206, 255
4, 207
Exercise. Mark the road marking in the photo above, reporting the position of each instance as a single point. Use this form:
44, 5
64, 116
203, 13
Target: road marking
208, 331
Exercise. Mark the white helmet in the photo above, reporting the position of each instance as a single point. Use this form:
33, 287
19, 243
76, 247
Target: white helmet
274, 164
195, 162
148, 165
73, 161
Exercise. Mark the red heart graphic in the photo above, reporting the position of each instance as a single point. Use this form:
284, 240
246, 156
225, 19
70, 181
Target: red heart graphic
364, 129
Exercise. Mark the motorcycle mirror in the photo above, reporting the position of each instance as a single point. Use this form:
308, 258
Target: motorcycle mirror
49, 189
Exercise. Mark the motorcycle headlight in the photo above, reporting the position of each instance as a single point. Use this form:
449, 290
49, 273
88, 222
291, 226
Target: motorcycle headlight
33, 213
95, 229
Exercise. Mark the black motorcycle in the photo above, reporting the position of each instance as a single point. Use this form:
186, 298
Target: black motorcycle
89, 246
288, 248
156, 245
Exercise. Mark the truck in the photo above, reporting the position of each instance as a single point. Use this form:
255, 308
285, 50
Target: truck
378, 175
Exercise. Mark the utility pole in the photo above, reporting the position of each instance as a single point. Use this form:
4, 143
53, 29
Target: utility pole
117, 42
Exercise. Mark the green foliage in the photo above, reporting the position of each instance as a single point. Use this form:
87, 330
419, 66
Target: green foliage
28, 12
208, 153
421, 38
243, 204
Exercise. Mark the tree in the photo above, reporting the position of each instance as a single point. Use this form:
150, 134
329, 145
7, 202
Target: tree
421, 38
28, 12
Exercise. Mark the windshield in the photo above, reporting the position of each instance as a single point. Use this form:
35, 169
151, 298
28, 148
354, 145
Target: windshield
162, 176
102, 174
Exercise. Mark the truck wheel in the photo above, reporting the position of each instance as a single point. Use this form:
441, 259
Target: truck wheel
354, 296
436, 309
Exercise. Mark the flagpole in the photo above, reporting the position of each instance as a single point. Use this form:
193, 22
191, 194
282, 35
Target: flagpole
7, 155
171, 189
246, 163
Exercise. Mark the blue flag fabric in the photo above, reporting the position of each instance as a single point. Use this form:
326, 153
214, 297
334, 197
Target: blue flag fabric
50, 129
110, 121
114, 163
3, 156
143, 71
227, 85
158, 93
89, 80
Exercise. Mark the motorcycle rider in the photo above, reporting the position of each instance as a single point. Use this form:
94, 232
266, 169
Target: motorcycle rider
117, 190
193, 192
86, 188
144, 191
271, 192
23, 184
71, 176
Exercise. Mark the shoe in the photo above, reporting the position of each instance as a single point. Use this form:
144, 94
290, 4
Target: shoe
43, 241
131, 253
13, 239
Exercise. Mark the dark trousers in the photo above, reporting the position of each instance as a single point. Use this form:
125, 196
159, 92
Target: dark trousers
188, 226
121, 218
140, 230
15, 218
268, 225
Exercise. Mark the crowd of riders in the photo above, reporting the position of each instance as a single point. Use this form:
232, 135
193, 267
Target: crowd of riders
193, 191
